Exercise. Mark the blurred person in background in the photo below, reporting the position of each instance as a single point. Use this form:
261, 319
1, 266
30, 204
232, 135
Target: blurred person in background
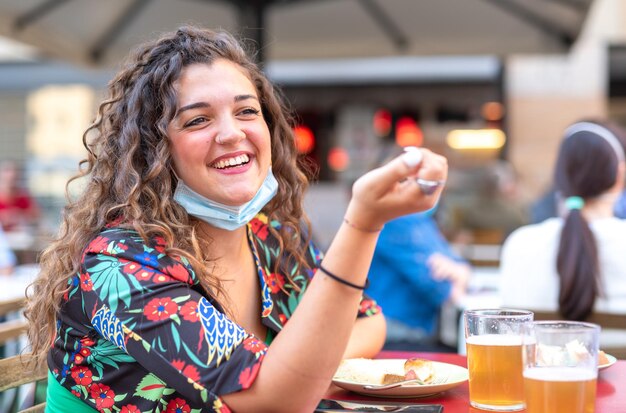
546, 206
18, 210
574, 263
414, 271
7, 258
183, 277
494, 211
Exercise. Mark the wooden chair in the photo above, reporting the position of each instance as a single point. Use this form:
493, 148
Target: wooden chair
13, 328
604, 320
14, 372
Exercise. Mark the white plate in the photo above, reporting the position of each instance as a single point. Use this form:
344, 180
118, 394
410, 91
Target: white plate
612, 360
344, 379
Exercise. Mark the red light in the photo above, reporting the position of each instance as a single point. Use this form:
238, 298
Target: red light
338, 159
408, 132
305, 139
382, 122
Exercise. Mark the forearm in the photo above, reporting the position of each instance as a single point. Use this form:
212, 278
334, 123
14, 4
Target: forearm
302, 359
321, 325
367, 338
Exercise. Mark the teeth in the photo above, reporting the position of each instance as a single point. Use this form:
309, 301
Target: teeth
235, 161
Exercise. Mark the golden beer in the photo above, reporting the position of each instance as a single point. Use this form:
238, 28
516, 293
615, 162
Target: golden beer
559, 390
495, 372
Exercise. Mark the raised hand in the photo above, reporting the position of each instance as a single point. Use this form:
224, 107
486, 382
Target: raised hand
392, 190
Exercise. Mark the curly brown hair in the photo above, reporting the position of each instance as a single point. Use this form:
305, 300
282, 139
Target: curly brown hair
128, 171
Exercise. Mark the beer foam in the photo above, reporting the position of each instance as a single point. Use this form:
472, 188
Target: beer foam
495, 340
559, 374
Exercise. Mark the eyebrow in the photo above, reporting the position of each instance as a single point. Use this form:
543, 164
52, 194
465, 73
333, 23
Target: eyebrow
197, 105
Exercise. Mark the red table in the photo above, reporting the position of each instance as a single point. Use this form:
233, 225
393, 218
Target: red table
611, 395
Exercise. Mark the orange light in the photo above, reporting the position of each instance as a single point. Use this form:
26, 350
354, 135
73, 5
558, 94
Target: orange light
408, 133
305, 139
338, 159
492, 111
382, 122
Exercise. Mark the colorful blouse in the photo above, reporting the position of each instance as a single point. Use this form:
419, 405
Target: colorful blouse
137, 333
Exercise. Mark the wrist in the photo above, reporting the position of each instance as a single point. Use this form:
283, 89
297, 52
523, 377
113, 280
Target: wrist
361, 221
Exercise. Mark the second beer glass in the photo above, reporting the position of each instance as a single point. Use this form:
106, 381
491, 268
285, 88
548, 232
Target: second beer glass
561, 367
494, 357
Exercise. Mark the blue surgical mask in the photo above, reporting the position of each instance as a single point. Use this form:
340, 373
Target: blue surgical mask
225, 216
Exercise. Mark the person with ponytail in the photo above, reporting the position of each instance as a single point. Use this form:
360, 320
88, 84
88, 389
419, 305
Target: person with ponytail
183, 277
574, 263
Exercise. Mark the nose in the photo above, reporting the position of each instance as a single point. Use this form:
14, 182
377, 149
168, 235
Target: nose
229, 132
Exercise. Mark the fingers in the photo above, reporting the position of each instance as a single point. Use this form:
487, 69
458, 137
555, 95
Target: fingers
414, 163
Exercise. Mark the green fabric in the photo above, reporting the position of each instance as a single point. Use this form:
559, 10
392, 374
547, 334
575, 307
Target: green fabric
60, 399
269, 337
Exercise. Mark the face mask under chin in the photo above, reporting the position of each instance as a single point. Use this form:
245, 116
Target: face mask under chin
225, 216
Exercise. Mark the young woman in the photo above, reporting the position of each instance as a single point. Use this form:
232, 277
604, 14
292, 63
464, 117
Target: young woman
184, 278
575, 263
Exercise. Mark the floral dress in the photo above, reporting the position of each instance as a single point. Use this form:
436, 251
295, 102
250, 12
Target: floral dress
136, 332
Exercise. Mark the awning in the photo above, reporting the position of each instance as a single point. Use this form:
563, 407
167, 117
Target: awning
97, 32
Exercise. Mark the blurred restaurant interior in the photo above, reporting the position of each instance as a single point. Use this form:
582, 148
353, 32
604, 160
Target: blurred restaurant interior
493, 103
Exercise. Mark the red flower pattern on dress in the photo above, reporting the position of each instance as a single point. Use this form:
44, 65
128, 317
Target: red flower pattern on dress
248, 375
160, 309
76, 393
283, 319
130, 408
159, 244
85, 352
188, 370
129, 267
103, 395
259, 228
368, 306
254, 345
87, 342
78, 358
177, 406
161, 278
178, 272
189, 311
85, 282
99, 244
144, 275
275, 282
82, 375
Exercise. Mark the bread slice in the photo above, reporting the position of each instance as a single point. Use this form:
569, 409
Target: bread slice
392, 378
416, 368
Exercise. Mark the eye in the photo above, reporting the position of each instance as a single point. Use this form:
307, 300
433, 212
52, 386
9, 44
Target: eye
195, 121
250, 112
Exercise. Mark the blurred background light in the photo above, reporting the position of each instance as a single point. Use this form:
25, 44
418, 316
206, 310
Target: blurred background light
476, 139
305, 139
338, 159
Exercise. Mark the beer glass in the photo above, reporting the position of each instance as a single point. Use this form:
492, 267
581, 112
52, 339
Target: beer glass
494, 341
561, 367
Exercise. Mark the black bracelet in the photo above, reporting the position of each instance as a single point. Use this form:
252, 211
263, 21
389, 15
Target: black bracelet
344, 282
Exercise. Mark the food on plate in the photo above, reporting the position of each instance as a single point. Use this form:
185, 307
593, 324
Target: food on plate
390, 378
421, 369
369, 371
602, 358
362, 370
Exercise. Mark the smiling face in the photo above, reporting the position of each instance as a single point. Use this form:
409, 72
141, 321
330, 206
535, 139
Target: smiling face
220, 142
